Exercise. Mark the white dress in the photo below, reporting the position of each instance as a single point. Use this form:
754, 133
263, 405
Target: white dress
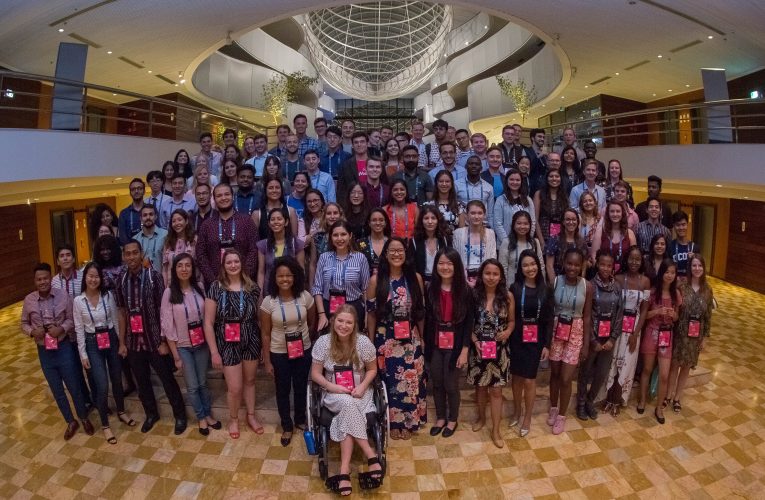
351, 412
624, 362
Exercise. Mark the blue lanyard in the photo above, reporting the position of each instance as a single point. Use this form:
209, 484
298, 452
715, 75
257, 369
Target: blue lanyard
220, 230
467, 189
335, 266
469, 252
131, 298
223, 303
106, 311
284, 316
576, 287
196, 303
523, 306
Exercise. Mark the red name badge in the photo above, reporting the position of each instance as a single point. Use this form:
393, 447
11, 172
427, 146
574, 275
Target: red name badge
51, 343
401, 330
694, 328
232, 332
488, 349
604, 328
380, 362
530, 334
563, 331
628, 324
664, 337
196, 335
335, 301
102, 339
294, 345
344, 378
136, 324
554, 229
445, 340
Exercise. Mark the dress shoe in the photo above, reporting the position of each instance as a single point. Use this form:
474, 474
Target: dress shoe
436, 430
592, 412
88, 427
449, 432
71, 430
180, 426
149, 423
659, 419
205, 431
217, 425
581, 413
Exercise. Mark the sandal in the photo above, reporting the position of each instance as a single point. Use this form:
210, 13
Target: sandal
233, 433
406, 434
676, 407
109, 435
373, 478
125, 419
257, 428
395, 434
333, 483
665, 403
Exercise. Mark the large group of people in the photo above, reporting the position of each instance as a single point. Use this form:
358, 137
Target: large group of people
355, 255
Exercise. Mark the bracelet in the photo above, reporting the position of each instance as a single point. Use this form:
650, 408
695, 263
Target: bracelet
322, 312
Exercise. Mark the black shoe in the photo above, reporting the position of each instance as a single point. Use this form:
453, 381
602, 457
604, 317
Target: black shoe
205, 431
435, 430
286, 438
449, 432
180, 426
659, 419
149, 423
640, 410
592, 412
217, 425
87, 426
581, 413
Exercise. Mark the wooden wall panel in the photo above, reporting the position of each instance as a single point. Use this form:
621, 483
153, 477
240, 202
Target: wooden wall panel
19, 256
746, 245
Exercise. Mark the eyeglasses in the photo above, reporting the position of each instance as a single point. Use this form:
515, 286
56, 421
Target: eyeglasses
396, 251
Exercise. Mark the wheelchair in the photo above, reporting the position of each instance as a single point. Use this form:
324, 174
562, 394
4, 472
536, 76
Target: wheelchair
319, 419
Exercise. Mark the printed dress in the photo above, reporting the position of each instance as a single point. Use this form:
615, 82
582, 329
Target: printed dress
696, 307
400, 362
489, 372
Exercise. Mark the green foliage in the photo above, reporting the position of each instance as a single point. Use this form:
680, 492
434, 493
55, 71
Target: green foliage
523, 98
280, 89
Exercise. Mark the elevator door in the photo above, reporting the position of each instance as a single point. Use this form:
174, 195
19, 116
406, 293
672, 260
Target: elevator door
704, 231
62, 230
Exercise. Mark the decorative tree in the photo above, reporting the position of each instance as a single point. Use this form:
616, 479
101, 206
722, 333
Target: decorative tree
280, 89
523, 98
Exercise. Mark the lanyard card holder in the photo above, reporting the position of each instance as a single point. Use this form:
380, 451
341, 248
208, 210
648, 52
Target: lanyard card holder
196, 334
445, 336
604, 326
554, 229
530, 331
294, 345
232, 330
102, 338
336, 299
472, 277
665, 335
628, 321
694, 326
563, 328
51, 343
225, 245
488, 346
136, 322
401, 329
344, 376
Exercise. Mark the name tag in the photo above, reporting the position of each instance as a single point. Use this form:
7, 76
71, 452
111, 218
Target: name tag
224, 245
530, 333
488, 349
604, 328
401, 330
472, 277
136, 323
51, 343
102, 338
445, 339
554, 229
344, 377
665, 336
563, 328
232, 331
294, 345
694, 328
196, 335
336, 299
628, 322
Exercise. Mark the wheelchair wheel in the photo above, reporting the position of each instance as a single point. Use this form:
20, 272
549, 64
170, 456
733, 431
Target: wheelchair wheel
380, 437
323, 448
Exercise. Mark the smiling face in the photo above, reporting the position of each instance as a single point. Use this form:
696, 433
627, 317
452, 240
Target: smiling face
356, 195
65, 259
331, 214
392, 148
573, 265
634, 260
529, 267
697, 268
524, 165
614, 170
494, 157
670, 275
92, 279
344, 324
276, 222
514, 181
340, 238
491, 276
274, 190
223, 198
374, 169
42, 281
232, 264
588, 203
430, 222
444, 184
183, 269
300, 184
377, 222
178, 186
571, 222
553, 178
615, 213
398, 192
448, 154
522, 226
178, 223
474, 167
605, 266
445, 267
229, 169
313, 202
569, 156
284, 278
660, 247
396, 254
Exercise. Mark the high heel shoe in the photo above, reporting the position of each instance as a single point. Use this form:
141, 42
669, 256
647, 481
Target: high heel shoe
659, 419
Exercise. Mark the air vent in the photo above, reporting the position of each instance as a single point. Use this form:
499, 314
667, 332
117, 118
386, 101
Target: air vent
637, 65
165, 79
601, 80
683, 47
81, 12
130, 62
84, 40
683, 15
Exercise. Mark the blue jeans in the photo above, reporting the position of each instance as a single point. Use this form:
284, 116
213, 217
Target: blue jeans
105, 365
195, 363
61, 367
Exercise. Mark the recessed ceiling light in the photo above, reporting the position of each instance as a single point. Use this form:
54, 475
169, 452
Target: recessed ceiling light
687, 86
543, 105
718, 185
149, 71
659, 56
746, 197
467, 43
37, 199
183, 80
586, 86
654, 95
485, 27
118, 178
108, 51
562, 97
61, 30
176, 84
73, 186
113, 93
710, 37
669, 90
617, 73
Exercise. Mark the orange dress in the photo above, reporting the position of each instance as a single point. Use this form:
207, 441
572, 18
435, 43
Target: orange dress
402, 227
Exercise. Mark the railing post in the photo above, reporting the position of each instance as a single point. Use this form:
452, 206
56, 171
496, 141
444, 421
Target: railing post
84, 111
151, 118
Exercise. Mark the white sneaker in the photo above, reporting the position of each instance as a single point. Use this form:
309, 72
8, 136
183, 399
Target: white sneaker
553, 414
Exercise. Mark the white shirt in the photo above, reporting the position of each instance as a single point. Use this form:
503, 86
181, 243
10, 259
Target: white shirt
73, 286
482, 191
84, 324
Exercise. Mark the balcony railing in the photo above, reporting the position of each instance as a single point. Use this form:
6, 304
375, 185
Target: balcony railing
740, 121
26, 101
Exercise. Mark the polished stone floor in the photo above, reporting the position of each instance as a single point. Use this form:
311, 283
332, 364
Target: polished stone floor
714, 449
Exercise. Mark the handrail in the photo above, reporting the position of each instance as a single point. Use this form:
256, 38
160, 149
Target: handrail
153, 117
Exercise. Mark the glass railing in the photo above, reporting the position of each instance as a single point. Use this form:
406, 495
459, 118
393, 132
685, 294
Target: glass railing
26, 101
737, 121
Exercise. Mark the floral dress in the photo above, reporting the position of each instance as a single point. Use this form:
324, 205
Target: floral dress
401, 363
489, 372
365, 245
697, 306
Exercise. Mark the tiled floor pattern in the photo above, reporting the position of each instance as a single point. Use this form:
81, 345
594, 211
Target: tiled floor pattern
714, 449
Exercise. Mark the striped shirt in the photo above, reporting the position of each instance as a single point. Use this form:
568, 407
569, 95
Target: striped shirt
350, 275
72, 286
141, 293
645, 232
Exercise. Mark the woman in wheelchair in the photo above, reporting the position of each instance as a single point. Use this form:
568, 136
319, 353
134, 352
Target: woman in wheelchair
344, 365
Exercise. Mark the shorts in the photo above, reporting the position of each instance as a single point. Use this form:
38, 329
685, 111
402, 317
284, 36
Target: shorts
568, 350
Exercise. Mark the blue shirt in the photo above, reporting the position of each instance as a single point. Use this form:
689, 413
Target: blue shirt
578, 190
152, 247
324, 183
458, 172
168, 206
129, 223
482, 190
350, 275
332, 162
258, 163
247, 203
307, 143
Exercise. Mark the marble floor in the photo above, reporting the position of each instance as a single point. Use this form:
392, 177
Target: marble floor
714, 449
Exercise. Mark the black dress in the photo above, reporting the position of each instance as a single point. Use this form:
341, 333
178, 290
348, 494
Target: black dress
525, 356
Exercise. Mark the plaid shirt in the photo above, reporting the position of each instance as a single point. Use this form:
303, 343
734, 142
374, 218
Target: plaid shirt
141, 292
306, 144
646, 231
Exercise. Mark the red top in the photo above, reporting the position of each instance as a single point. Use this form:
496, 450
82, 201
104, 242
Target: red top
402, 227
446, 305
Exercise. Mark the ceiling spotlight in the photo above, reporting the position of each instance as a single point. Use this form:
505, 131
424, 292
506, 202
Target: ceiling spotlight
687, 86
617, 73
746, 197
718, 185
114, 94
183, 80
586, 86
61, 30
654, 95
118, 178
710, 37
659, 56
562, 97
543, 105
467, 42
176, 84
669, 90
108, 51
149, 71
485, 27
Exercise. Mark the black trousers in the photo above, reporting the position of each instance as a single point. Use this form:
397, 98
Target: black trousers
291, 375
141, 363
446, 391
593, 372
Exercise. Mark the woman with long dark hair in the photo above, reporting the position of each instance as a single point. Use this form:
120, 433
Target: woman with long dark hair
108, 255
273, 197
168, 172
378, 233
663, 310
518, 240
180, 239
514, 199
102, 215
229, 172
430, 237
550, 202
590, 222
358, 209
182, 162
279, 243
392, 158
558, 245
402, 214
570, 168
395, 322
657, 252
296, 199
489, 356
182, 320
445, 199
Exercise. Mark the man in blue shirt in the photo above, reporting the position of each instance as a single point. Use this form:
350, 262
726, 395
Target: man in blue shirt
258, 161
448, 154
588, 185
319, 180
151, 238
305, 142
130, 216
179, 200
247, 197
335, 155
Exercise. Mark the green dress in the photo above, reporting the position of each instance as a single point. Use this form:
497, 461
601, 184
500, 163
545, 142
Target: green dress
685, 350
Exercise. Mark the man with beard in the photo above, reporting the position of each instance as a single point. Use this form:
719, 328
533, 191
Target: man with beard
419, 184
130, 216
151, 238
473, 187
247, 197
202, 194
